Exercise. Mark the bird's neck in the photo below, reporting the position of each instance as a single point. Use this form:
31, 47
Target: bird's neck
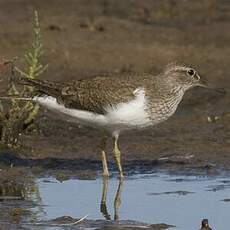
163, 104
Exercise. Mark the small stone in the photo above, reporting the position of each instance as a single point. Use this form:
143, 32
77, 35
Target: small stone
226, 200
205, 225
212, 119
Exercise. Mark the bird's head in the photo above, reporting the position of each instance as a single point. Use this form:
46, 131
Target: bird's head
183, 77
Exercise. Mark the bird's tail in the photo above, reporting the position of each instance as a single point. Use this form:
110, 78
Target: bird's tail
42, 86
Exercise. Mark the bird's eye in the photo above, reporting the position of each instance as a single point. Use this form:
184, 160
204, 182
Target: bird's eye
191, 72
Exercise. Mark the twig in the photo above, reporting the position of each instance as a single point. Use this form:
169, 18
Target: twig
76, 222
17, 98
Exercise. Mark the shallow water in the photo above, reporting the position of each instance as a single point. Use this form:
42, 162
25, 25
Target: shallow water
182, 201
158, 198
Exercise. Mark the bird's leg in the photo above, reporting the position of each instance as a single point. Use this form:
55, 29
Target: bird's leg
103, 207
117, 156
103, 157
117, 200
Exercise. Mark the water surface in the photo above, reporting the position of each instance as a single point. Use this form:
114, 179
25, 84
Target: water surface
157, 198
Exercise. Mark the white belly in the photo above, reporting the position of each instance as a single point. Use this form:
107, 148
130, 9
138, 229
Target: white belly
122, 116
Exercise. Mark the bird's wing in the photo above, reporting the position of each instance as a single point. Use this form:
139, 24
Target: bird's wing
97, 94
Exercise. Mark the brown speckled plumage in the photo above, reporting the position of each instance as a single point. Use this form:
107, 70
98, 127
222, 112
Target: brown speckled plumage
93, 94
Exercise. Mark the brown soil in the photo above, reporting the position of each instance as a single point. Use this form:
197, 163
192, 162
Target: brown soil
83, 38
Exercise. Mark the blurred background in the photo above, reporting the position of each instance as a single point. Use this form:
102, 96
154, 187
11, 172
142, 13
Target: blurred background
90, 36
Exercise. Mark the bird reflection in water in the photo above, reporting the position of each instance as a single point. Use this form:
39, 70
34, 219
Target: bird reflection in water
117, 200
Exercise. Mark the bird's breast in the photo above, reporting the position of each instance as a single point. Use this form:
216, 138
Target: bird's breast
161, 110
130, 114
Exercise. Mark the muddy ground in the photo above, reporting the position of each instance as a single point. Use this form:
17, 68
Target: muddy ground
85, 37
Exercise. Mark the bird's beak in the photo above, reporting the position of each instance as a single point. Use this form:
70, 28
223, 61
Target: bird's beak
205, 84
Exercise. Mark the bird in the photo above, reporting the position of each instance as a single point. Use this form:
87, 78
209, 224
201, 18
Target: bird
114, 103
205, 225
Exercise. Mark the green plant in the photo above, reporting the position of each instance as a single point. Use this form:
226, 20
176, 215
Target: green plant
18, 115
